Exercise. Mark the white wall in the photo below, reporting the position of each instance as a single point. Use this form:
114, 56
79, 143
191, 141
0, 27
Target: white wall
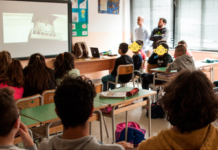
107, 31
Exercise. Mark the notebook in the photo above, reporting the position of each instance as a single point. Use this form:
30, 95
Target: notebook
113, 95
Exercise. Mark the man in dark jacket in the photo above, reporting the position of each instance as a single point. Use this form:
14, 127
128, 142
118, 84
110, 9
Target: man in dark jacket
159, 33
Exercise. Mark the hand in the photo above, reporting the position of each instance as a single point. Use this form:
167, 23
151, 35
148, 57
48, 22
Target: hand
25, 136
125, 144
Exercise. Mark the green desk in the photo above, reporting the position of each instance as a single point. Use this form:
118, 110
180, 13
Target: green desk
116, 109
162, 70
29, 122
46, 114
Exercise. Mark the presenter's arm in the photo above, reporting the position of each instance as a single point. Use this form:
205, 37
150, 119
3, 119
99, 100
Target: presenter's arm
165, 35
155, 37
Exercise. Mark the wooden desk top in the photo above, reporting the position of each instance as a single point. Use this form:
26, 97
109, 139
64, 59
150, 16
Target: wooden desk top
162, 70
113, 101
95, 59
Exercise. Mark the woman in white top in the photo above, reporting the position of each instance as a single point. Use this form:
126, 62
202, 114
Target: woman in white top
64, 66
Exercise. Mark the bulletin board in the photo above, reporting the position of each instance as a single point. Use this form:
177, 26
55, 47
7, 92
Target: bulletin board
109, 6
79, 18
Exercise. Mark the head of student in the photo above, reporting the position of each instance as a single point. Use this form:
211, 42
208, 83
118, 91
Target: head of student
140, 20
162, 22
13, 76
182, 42
190, 102
74, 101
180, 50
63, 64
123, 48
140, 43
9, 117
164, 44
38, 75
5, 60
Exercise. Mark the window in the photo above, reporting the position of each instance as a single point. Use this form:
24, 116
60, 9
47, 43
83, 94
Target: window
153, 10
195, 20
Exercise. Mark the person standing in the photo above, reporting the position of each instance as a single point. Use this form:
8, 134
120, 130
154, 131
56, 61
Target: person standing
143, 33
159, 33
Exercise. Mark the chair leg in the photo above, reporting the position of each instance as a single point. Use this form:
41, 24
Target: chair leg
107, 86
105, 127
90, 128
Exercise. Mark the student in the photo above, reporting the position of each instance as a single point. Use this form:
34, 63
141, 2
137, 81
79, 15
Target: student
137, 58
11, 124
182, 61
189, 53
191, 106
158, 61
38, 77
123, 60
5, 60
74, 105
64, 65
141, 51
14, 78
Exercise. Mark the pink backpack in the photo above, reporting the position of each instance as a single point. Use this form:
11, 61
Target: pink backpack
135, 133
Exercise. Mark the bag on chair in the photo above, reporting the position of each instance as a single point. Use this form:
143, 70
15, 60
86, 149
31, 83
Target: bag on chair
81, 50
135, 134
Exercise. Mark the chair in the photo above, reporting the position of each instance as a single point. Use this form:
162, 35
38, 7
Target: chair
123, 70
18, 140
29, 102
48, 97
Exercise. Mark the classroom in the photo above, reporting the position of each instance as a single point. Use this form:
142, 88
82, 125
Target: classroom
108, 74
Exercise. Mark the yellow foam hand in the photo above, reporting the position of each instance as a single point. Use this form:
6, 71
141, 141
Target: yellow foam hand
135, 47
160, 50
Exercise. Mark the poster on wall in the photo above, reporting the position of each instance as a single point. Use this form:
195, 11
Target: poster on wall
109, 6
80, 18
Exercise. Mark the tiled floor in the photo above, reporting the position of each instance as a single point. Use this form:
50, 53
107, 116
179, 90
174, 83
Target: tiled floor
137, 115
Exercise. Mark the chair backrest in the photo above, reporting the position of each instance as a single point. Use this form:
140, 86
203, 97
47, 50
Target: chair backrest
48, 97
28, 102
98, 88
125, 69
149, 67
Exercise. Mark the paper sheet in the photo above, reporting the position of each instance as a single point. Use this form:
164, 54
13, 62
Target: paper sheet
83, 5
75, 17
103, 4
74, 3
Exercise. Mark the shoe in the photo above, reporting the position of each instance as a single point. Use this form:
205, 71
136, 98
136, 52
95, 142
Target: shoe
138, 73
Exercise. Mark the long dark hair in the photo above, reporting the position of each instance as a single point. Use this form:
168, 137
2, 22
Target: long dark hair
38, 74
63, 64
5, 60
13, 75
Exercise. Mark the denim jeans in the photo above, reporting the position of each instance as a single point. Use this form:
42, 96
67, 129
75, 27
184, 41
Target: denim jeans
107, 78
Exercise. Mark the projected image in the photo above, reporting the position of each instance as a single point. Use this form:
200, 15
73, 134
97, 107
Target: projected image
23, 27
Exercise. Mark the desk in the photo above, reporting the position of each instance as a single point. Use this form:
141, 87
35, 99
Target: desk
116, 102
46, 114
89, 67
203, 64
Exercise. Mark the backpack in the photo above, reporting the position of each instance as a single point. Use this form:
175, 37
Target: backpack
81, 50
135, 134
156, 110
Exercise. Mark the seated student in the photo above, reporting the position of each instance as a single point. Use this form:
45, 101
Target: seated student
182, 60
74, 105
137, 59
14, 78
38, 77
191, 106
189, 53
11, 124
141, 50
157, 61
63, 66
5, 60
123, 60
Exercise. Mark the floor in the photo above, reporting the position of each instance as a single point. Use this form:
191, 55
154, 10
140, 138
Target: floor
137, 115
